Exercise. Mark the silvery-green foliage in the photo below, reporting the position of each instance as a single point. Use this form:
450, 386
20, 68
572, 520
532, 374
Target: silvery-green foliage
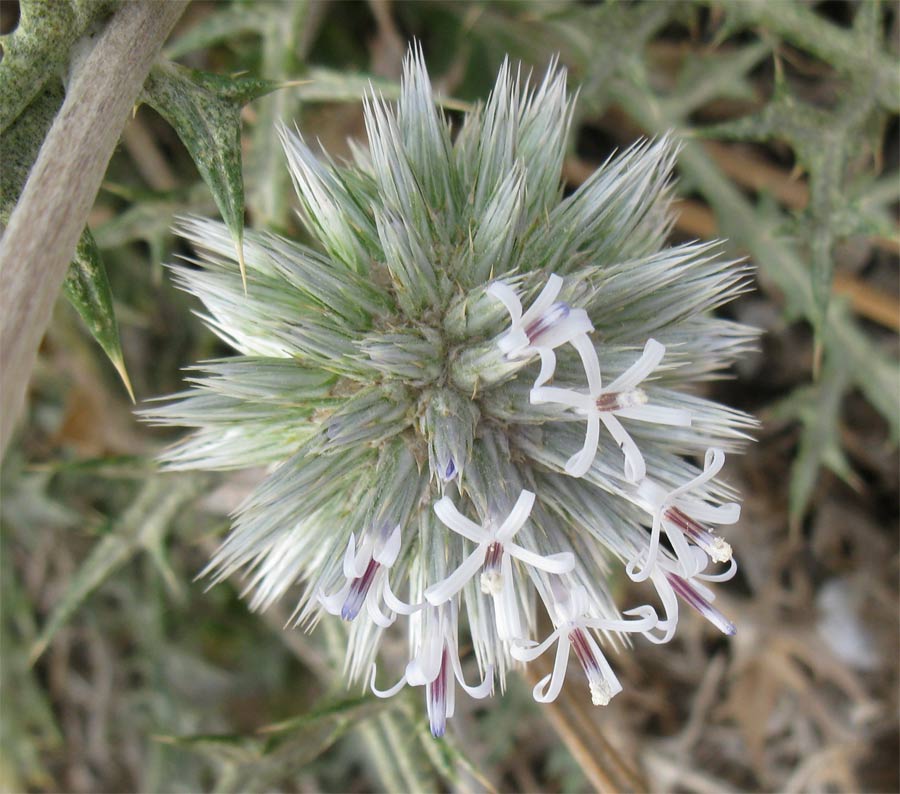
386, 381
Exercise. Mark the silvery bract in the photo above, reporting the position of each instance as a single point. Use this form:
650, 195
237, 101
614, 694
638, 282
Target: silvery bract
474, 396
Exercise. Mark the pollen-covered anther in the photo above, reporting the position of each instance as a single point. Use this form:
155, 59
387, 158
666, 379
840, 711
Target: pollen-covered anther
617, 401
601, 692
491, 577
718, 549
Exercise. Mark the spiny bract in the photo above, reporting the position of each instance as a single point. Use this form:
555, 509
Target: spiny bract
395, 381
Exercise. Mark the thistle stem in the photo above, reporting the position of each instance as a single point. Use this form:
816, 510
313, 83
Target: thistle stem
45, 226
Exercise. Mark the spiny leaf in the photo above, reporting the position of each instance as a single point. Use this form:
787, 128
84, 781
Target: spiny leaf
205, 110
149, 218
321, 84
28, 729
143, 525
817, 408
87, 288
282, 26
226, 22
824, 143
858, 52
38, 48
86, 285
284, 748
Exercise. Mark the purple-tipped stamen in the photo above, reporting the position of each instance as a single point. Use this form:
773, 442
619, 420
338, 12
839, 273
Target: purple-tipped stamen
553, 315
600, 692
690, 596
491, 580
359, 589
436, 694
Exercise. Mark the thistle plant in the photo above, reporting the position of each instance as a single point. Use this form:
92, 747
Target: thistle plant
475, 397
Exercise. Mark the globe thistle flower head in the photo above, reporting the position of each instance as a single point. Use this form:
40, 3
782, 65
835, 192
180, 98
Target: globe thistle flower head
423, 386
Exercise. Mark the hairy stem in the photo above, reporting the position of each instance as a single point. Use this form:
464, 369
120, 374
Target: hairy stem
48, 220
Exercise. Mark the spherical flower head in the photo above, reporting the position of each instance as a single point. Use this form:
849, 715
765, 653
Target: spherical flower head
392, 378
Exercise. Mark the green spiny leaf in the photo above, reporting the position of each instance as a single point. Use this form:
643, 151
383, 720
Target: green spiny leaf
38, 48
87, 288
142, 526
858, 51
284, 41
226, 22
86, 285
817, 408
205, 110
284, 748
28, 729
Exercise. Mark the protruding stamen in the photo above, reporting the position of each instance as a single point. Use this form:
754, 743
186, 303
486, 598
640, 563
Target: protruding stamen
436, 697
601, 694
717, 548
553, 315
620, 400
694, 599
491, 578
359, 588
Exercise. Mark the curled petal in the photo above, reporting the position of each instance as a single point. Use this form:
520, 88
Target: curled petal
548, 688
334, 603
543, 301
451, 517
647, 562
582, 343
378, 617
396, 604
517, 517
528, 650
424, 668
647, 619
712, 465
656, 414
563, 562
638, 372
635, 468
722, 515
580, 462
390, 691
507, 296
548, 365
387, 554
449, 587
720, 577
670, 607
568, 397
478, 691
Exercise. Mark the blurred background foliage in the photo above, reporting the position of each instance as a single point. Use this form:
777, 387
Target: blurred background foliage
121, 673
